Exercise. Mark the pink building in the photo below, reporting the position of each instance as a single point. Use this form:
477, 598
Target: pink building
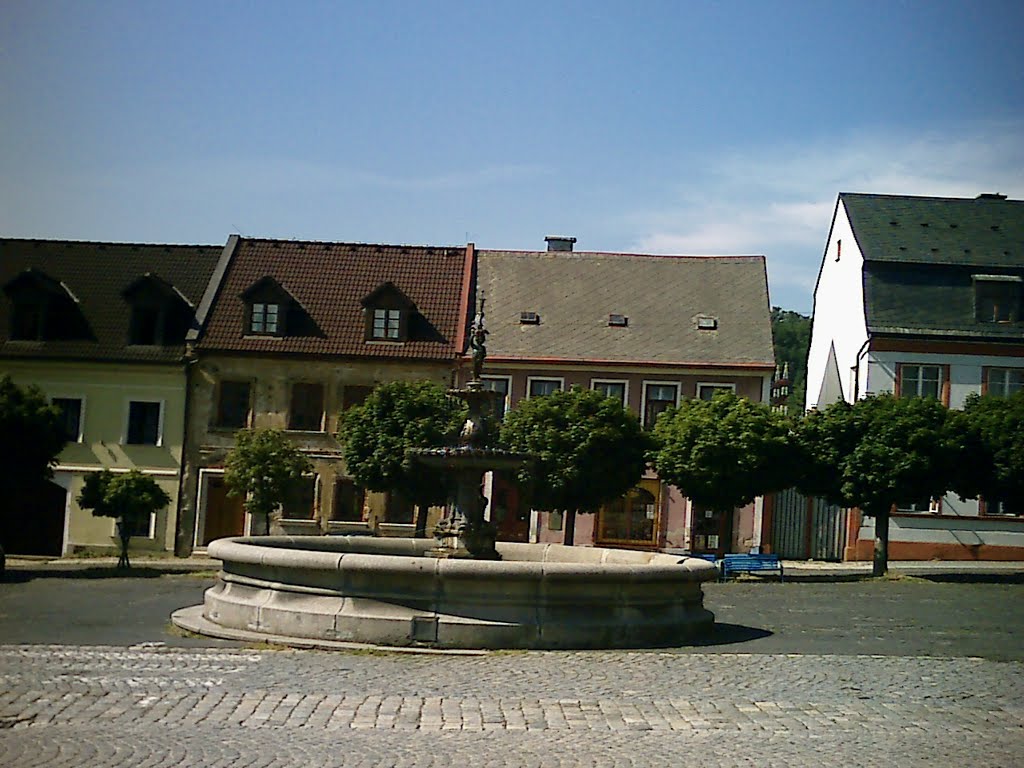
647, 329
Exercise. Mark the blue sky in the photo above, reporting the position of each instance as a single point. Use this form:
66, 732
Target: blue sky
662, 127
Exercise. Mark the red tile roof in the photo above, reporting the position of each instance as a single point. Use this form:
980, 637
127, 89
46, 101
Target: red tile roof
329, 280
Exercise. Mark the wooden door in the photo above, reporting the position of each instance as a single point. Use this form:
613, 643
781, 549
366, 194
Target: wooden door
225, 515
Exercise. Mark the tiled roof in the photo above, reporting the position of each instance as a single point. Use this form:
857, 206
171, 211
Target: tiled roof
96, 274
938, 230
329, 281
661, 298
921, 254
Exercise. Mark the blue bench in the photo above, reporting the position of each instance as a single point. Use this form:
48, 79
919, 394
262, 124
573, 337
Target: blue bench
732, 564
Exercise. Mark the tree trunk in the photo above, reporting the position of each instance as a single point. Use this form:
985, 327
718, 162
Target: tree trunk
122, 561
880, 565
422, 508
569, 532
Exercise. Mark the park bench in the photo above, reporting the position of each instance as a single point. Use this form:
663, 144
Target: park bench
733, 564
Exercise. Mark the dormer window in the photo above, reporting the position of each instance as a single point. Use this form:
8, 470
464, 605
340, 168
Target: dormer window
43, 309
388, 313
529, 318
997, 298
264, 318
618, 321
160, 313
387, 324
271, 310
705, 323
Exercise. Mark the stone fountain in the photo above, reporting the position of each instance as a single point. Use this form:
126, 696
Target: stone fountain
462, 590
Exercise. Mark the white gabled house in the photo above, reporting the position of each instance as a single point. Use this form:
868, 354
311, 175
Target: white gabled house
922, 297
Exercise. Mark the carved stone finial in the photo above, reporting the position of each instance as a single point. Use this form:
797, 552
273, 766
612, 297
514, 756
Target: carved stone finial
478, 339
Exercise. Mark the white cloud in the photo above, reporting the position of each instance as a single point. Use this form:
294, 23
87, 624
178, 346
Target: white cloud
778, 201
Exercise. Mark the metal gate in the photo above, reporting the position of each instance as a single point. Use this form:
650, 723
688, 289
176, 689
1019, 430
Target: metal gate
805, 528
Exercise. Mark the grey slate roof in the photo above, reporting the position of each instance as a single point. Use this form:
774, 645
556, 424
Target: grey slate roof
661, 296
96, 274
920, 255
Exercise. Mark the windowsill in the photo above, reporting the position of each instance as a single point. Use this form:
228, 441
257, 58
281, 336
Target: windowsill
250, 336
306, 431
387, 342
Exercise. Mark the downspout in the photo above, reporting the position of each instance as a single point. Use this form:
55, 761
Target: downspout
856, 368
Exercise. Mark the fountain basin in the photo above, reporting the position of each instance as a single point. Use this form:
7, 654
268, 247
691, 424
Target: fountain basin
387, 592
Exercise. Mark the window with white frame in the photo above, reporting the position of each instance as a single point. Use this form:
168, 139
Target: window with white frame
145, 422
265, 318
923, 504
70, 409
538, 387
142, 527
503, 386
658, 398
616, 390
387, 324
707, 391
1003, 382
921, 380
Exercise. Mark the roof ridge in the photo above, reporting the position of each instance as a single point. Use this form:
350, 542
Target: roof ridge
930, 197
350, 244
680, 256
119, 243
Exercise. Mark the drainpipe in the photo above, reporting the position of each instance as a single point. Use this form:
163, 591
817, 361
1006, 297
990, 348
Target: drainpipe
856, 369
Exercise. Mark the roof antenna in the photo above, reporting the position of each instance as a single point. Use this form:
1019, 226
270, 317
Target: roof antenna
240, 232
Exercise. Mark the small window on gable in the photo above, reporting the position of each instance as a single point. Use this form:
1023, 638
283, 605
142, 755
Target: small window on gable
388, 312
705, 323
997, 298
160, 314
270, 309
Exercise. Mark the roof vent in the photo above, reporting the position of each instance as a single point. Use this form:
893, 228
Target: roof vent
990, 196
618, 321
705, 323
529, 318
559, 242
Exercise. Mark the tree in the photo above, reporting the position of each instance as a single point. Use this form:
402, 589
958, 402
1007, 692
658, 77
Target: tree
587, 449
130, 498
880, 451
31, 436
998, 471
725, 452
263, 467
396, 417
791, 335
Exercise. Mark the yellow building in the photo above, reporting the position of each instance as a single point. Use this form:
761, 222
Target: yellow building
100, 329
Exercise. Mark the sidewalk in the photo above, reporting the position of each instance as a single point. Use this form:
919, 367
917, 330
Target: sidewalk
169, 564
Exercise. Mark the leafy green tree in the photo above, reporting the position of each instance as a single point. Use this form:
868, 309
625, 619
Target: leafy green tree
587, 450
880, 451
396, 417
791, 335
31, 436
997, 472
725, 452
130, 498
263, 467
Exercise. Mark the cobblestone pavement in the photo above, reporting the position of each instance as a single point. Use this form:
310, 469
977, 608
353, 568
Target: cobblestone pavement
158, 706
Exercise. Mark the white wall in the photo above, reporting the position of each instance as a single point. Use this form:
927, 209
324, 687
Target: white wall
838, 312
964, 371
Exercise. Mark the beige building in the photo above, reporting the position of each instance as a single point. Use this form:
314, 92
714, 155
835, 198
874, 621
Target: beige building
100, 329
294, 333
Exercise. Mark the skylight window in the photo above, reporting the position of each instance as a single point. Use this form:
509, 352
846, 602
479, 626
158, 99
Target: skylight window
707, 323
529, 318
618, 321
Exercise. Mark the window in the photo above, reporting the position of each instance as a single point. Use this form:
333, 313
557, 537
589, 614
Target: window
920, 505
613, 389
348, 501
1003, 382
707, 391
264, 318
997, 298
142, 526
354, 394
541, 387
630, 519
387, 324
70, 417
28, 320
921, 381
397, 508
145, 325
501, 385
143, 423
299, 502
658, 398
618, 321
307, 407
1001, 508
233, 405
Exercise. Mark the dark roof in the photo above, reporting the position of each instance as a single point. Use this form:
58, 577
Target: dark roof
96, 276
660, 297
330, 281
922, 254
983, 232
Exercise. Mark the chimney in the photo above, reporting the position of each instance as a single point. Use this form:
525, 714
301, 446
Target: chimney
559, 242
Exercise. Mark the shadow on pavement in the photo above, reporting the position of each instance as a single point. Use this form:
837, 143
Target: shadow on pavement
93, 572
727, 634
